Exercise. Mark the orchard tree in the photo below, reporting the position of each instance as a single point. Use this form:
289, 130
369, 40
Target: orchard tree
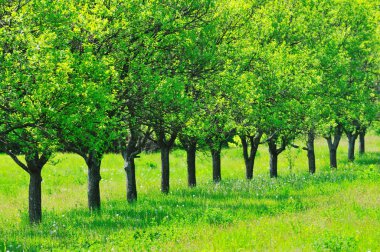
275, 69
308, 29
333, 65
244, 105
344, 57
360, 91
217, 122
89, 130
207, 53
127, 39
219, 93
170, 63
34, 81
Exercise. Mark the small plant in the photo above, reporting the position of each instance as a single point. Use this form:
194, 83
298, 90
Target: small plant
151, 165
291, 156
333, 242
216, 216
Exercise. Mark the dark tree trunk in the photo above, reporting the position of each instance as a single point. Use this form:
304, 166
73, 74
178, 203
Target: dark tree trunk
333, 146
351, 146
165, 146
362, 142
310, 152
93, 193
34, 165
165, 169
130, 170
191, 175
333, 161
273, 158
35, 213
249, 163
273, 165
216, 172
249, 159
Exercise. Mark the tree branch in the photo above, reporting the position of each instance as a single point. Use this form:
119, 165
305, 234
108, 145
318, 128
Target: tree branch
14, 157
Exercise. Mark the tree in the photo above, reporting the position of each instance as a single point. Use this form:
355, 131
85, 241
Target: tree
34, 80
361, 45
275, 68
169, 102
217, 122
332, 64
245, 107
345, 59
207, 53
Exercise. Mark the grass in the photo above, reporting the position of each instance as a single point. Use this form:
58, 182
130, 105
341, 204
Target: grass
330, 211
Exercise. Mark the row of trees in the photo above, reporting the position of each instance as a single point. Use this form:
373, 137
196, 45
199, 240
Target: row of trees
87, 75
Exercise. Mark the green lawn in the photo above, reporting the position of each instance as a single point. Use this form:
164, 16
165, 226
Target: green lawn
330, 211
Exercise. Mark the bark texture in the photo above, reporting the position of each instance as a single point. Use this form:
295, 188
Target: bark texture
93, 193
273, 157
311, 152
165, 146
351, 146
249, 155
34, 165
35, 212
190, 145
362, 142
130, 171
191, 172
216, 171
165, 168
333, 144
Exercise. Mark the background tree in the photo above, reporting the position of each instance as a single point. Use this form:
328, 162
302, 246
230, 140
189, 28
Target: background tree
360, 91
275, 69
169, 103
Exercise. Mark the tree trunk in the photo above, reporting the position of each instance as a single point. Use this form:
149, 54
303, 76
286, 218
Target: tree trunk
333, 162
216, 172
94, 178
34, 164
130, 170
273, 165
362, 142
351, 147
165, 169
249, 168
35, 213
191, 175
247, 158
273, 161
333, 146
310, 152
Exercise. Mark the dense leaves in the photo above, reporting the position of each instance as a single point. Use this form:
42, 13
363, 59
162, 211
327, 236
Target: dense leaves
95, 76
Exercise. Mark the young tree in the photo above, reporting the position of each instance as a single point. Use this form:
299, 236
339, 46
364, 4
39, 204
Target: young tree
170, 104
84, 127
361, 45
276, 69
245, 107
35, 88
333, 65
345, 62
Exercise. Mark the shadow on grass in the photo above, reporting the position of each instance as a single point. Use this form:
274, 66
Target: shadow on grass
209, 204
370, 158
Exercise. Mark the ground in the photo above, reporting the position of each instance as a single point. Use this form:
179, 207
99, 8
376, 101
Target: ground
329, 211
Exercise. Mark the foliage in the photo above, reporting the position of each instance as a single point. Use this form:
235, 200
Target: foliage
94, 76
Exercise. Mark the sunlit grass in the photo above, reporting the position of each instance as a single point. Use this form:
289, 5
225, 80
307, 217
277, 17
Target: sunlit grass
338, 211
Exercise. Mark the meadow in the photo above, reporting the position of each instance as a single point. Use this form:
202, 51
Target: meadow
329, 211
